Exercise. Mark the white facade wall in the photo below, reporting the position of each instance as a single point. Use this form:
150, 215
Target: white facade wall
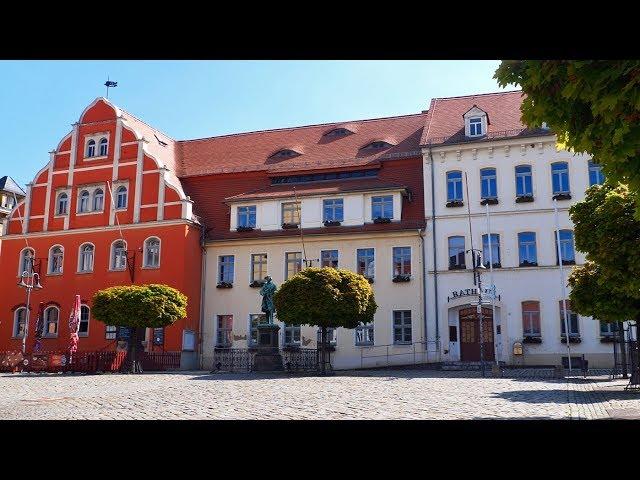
242, 300
514, 284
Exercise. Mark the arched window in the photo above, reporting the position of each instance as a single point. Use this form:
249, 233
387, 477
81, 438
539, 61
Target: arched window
63, 200
121, 197
56, 257
83, 205
118, 255
560, 177
85, 314
98, 200
152, 252
26, 261
51, 317
454, 186
19, 322
91, 148
85, 259
104, 145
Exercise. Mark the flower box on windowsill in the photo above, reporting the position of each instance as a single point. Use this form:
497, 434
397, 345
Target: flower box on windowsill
402, 278
332, 223
562, 196
526, 263
532, 340
257, 284
382, 220
568, 262
489, 201
224, 285
288, 226
457, 267
572, 339
524, 198
608, 339
244, 229
454, 204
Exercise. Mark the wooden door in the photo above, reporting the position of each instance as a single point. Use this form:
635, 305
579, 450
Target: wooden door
470, 334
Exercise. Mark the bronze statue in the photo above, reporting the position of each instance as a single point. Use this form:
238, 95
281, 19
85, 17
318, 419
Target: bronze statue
267, 291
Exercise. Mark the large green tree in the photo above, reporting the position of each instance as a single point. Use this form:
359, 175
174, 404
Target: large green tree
592, 105
139, 306
326, 298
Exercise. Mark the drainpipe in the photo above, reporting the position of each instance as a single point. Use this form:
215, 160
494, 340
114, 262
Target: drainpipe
435, 255
203, 278
421, 232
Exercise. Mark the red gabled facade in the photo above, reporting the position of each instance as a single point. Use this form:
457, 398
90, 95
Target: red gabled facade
154, 206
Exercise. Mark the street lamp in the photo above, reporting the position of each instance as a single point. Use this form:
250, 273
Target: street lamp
478, 268
32, 281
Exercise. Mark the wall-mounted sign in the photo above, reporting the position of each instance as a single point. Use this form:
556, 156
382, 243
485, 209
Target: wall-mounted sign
158, 336
123, 333
471, 292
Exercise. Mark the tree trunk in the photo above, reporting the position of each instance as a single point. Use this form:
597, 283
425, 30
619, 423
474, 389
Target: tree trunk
623, 350
132, 354
323, 367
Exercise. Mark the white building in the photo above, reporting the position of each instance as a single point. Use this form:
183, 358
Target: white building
478, 143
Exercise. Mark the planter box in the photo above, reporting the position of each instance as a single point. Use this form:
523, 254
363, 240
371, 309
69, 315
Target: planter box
332, 223
457, 267
454, 204
571, 340
224, 285
244, 229
256, 284
528, 264
287, 226
532, 340
401, 278
524, 199
489, 201
381, 220
562, 196
608, 339
568, 262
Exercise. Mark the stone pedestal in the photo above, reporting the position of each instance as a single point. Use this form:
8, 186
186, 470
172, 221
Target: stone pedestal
268, 358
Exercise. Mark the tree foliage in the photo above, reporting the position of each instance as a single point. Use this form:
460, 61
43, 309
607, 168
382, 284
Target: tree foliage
326, 297
607, 287
152, 306
592, 105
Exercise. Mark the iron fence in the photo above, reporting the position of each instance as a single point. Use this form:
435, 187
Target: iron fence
398, 354
242, 359
302, 360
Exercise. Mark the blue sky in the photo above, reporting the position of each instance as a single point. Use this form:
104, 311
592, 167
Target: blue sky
194, 99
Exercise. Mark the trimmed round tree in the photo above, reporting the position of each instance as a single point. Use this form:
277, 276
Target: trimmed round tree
139, 306
325, 298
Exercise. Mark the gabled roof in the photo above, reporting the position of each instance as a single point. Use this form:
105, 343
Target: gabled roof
8, 184
251, 151
445, 123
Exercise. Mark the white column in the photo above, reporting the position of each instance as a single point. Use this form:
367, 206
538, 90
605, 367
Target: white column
116, 149
47, 200
27, 209
161, 174
72, 162
138, 186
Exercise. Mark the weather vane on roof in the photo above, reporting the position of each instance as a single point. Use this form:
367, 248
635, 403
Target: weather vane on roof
108, 84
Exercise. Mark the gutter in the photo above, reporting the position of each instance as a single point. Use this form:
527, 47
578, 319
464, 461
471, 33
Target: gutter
203, 277
421, 232
435, 256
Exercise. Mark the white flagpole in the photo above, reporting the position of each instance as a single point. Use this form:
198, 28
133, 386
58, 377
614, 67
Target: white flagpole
493, 290
562, 284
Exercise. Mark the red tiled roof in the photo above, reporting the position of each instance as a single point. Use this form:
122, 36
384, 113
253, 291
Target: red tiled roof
251, 151
445, 124
320, 188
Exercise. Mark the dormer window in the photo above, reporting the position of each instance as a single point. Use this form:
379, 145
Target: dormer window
338, 132
475, 127
377, 145
285, 153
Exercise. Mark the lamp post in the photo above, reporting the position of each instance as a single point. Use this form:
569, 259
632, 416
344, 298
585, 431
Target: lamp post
478, 267
32, 281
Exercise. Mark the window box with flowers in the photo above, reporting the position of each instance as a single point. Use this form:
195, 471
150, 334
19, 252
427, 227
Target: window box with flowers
244, 229
527, 263
532, 339
382, 220
332, 223
489, 201
405, 277
572, 339
524, 198
257, 284
562, 196
454, 204
608, 339
224, 285
288, 226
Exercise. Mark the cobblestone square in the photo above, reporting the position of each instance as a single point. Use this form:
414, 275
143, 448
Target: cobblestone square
379, 394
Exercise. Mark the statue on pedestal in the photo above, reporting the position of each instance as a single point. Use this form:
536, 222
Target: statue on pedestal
268, 358
267, 291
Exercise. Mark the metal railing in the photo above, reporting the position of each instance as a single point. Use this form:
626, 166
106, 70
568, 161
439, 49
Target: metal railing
408, 354
242, 359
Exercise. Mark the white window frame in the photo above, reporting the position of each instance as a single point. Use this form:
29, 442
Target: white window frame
477, 123
487, 178
14, 332
365, 327
145, 252
287, 327
251, 265
233, 268
403, 326
103, 141
337, 255
250, 341
58, 213
457, 185
45, 333
97, 138
297, 212
374, 261
80, 254
21, 260
218, 330
50, 262
112, 263
110, 332
521, 179
247, 214
383, 203
332, 335
94, 198
86, 196
526, 317
84, 334
126, 197
286, 264
333, 207
559, 173
393, 261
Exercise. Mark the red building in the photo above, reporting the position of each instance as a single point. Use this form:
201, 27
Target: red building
108, 209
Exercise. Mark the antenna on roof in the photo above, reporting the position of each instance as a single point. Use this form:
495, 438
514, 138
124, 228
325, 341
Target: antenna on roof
110, 84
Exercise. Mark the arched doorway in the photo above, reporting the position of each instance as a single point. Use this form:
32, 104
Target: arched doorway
470, 334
